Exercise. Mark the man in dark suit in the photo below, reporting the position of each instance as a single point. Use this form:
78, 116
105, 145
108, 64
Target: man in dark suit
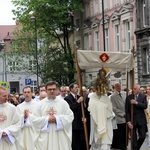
74, 101
139, 124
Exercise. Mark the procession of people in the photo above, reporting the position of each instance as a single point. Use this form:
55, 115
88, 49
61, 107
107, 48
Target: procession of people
56, 122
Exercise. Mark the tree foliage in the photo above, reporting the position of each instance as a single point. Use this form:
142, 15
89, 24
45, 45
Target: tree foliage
52, 26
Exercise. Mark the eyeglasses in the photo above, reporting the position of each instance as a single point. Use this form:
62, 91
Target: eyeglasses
51, 89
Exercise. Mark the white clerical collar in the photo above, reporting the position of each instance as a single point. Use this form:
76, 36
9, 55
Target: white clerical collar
28, 102
60, 96
50, 99
3, 104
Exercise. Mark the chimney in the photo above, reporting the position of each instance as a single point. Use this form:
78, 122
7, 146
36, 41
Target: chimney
17, 23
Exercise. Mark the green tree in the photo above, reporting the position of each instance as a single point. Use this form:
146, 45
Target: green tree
53, 25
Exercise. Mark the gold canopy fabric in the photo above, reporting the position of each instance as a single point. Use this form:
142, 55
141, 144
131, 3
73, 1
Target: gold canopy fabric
117, 60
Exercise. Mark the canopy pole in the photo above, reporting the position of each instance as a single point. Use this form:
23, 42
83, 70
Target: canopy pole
81, 94
127, 129
132, 111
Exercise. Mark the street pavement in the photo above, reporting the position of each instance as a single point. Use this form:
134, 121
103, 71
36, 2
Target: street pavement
144, 146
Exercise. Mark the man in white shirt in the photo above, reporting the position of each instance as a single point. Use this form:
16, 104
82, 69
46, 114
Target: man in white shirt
41, 89
43, 94
62, 92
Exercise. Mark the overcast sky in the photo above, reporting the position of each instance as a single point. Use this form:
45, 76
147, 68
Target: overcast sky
6, 14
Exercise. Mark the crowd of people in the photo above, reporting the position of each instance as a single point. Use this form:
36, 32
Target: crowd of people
53, 117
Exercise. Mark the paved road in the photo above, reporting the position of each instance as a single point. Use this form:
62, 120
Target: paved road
144, 146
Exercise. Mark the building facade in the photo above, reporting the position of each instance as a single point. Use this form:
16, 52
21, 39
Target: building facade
12, 73
119, 23
143, 41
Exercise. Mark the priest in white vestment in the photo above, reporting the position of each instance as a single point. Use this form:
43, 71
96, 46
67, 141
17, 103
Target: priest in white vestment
10, 123
56, 130
100, 108
29, 130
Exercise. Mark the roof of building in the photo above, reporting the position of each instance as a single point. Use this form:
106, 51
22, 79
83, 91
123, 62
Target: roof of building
6, 31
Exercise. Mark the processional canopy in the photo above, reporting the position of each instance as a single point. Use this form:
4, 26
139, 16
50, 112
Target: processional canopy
116, 61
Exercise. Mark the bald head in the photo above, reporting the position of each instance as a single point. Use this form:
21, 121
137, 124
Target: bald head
117, 87
3, 95
43, 94
63, 91
136, 89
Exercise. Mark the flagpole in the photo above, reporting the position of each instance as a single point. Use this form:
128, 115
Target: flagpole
81, 94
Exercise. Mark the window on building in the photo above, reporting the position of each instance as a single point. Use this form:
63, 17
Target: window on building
87, 10
77, 23
106, 39
117, 38
115, 2
78, 43
145, 61
127, 36
90, 77
86, 41
34, 85
105, 4
13, 66
96, 37
32, 65
144, 13
110, 4
95, 6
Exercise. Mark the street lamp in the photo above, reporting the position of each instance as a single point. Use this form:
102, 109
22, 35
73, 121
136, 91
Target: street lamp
36, 49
